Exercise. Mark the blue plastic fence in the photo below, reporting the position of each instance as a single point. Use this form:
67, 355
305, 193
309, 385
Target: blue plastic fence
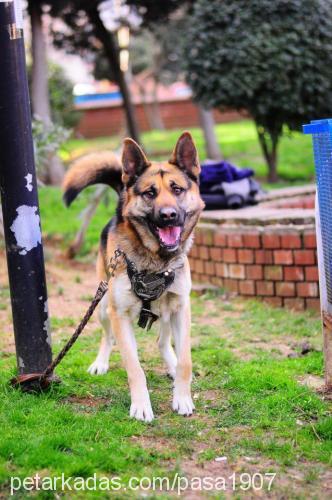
321, 131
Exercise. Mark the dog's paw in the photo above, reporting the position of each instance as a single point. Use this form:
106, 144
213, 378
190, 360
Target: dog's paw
142, 410
98, 367
183, 404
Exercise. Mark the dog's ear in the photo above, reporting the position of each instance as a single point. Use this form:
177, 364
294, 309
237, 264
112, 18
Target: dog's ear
185, 156
134, 161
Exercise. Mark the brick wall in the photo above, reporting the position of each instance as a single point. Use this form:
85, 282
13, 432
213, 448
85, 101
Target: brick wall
276, 263
110, 120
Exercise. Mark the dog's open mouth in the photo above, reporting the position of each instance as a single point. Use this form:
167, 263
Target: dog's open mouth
169, 236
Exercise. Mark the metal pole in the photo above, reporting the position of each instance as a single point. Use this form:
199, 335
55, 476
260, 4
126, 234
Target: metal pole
19, 199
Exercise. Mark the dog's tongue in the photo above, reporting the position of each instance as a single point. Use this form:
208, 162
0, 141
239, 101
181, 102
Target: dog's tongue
169, 235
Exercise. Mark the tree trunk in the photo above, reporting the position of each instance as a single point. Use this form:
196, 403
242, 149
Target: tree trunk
39, 86
270, 154
39, 80
207, 124
112, 53
157, 121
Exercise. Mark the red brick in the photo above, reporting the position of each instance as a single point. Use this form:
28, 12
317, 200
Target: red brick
283, 257
235, 241
313, 304
310, 240
209, 268
221, 270
247, 287
219, 239
229, 255
271, 240
254, 272
304, 257
294, 273
208, 237
285, 289
194, 251
216, 253
265, 288
273, 301
204, 253
307, 289
237, 271
245, 256
297, 304
217, 281
291, 241
311, 273
263, 257
231, 285
251, 240
199, 267
198, 236
273, 273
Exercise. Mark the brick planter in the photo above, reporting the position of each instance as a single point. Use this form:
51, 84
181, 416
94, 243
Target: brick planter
268, 251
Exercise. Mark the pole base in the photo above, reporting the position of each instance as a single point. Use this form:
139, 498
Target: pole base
34, 382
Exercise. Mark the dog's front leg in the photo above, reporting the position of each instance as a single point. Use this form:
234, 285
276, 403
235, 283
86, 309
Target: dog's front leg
180, 320
140, 400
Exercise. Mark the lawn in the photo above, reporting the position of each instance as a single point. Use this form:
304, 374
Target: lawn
254, 412
257, 412
238, 143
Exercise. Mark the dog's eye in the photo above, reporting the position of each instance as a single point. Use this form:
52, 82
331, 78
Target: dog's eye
150, 194
177, 190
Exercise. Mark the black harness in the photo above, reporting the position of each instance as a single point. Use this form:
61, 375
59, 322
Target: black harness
148, 287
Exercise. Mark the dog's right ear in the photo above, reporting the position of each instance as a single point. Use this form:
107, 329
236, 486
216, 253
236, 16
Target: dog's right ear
134, 161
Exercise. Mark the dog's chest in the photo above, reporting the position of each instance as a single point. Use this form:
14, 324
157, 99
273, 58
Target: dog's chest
128, 304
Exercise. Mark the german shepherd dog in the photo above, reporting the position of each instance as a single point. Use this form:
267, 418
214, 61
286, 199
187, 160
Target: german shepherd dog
159, 206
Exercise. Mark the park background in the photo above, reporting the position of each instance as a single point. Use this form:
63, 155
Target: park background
242, 77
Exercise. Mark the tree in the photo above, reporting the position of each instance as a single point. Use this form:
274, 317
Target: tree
273, 59
39, 85
87, 32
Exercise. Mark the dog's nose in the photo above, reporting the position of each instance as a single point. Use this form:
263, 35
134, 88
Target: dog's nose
167, 213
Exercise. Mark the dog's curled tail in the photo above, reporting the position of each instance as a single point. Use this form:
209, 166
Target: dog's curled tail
102, 167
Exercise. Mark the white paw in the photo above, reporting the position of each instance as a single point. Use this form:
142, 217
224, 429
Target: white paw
98, 367
142, 410
183, 404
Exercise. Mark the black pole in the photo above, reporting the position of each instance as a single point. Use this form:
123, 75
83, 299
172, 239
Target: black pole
19, 197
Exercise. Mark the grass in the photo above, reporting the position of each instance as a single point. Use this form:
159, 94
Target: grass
252, 408
60, 223
238, 143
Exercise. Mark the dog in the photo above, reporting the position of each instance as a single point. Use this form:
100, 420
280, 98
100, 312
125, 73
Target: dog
158, 209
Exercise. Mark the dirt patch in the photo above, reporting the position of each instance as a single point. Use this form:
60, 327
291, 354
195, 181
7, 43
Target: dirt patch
86, 401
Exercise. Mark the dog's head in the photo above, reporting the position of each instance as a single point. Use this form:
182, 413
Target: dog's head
162, 200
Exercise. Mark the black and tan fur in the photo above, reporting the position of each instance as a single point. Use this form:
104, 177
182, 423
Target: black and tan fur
155, 198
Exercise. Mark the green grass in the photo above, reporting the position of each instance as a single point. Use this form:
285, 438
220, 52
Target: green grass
61, 223
238, 143
245, 407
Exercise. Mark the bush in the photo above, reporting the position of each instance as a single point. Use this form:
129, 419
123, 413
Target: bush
272, 59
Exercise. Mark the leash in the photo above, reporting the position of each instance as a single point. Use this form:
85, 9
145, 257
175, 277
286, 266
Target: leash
41, 381
146, 286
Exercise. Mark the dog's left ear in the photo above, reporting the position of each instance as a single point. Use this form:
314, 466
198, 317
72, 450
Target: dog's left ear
185, 156
134, 161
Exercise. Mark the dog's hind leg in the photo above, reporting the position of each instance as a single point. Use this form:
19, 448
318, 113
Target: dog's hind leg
101, 363
165, 346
